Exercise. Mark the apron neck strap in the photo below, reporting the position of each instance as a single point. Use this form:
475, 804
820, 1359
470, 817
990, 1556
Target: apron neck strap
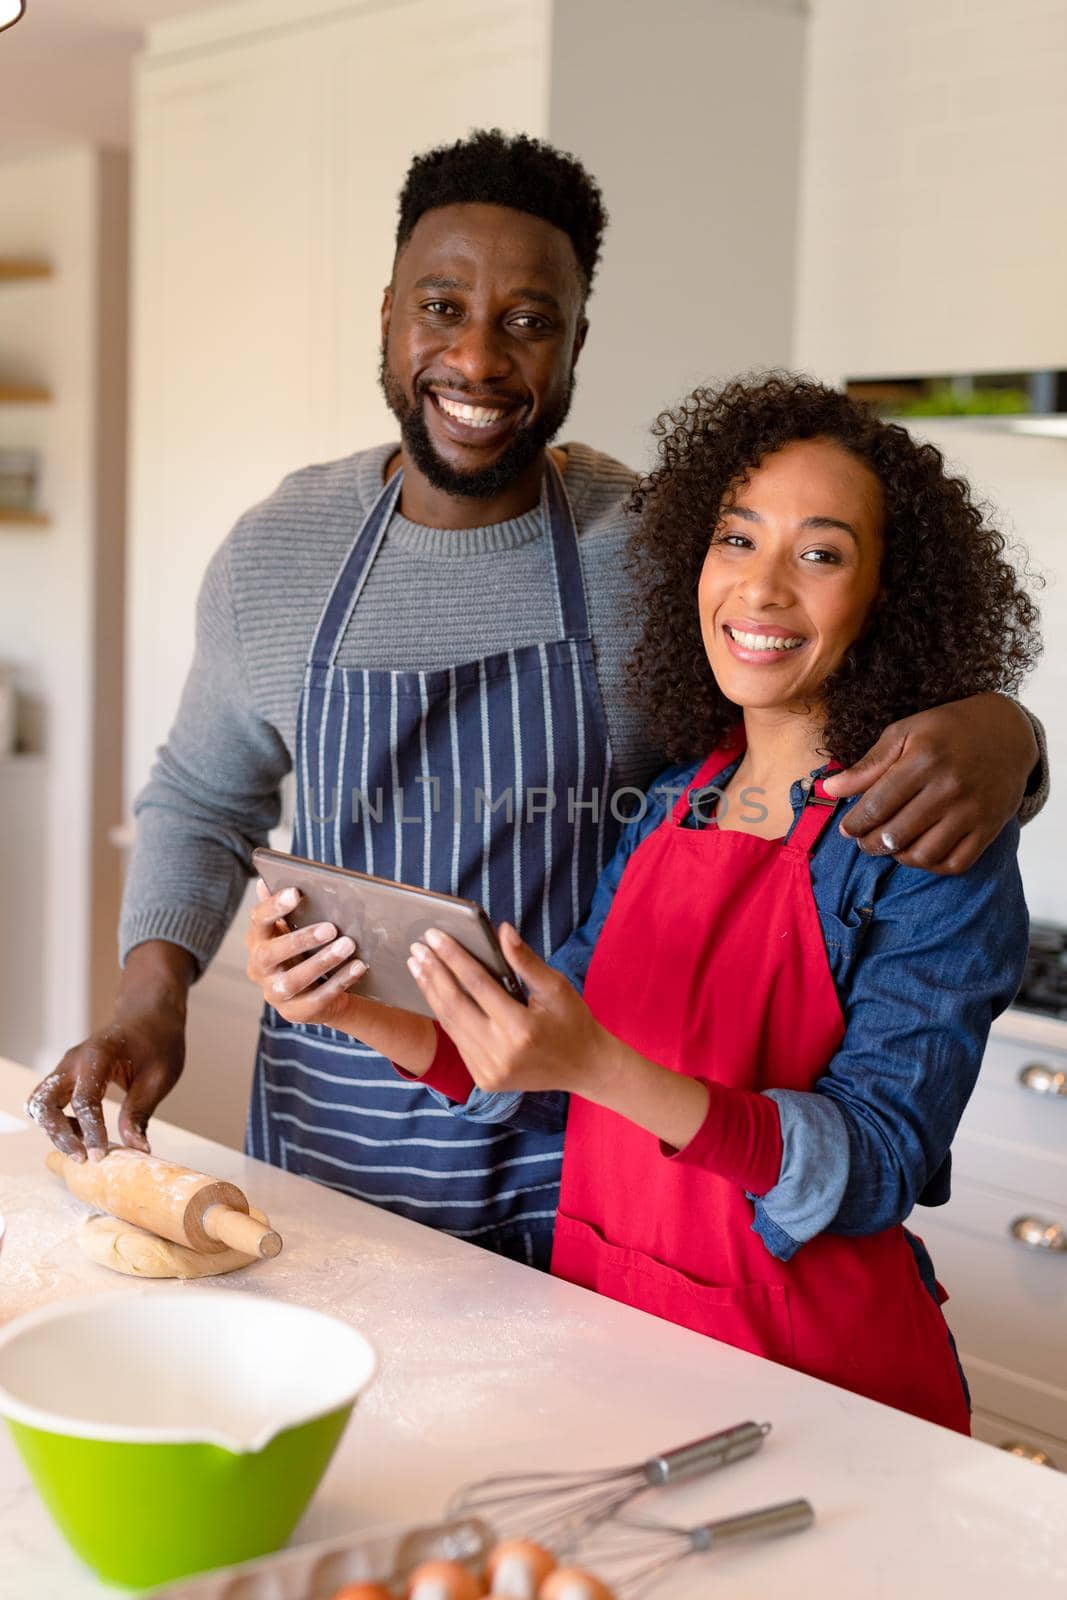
348, 585
819, 808
571, 607
723, 756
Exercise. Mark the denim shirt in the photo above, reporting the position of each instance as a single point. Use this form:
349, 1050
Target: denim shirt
921, 964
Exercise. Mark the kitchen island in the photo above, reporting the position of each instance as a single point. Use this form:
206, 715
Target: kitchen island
487, 1366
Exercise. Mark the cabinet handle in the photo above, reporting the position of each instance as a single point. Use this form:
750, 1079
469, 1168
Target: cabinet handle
1039, 1235
1040, 1078
1027, 1452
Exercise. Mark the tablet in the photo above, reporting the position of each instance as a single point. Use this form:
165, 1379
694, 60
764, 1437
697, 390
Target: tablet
384, 919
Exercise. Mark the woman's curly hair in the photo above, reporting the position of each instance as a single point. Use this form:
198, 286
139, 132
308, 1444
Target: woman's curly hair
953, 621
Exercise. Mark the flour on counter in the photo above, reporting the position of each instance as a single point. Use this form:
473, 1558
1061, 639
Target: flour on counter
40, 1261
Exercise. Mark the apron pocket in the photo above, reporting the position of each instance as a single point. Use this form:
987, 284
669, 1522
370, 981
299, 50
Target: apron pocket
750, 1316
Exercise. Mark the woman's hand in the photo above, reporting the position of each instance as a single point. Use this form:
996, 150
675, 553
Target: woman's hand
287, 967
554, 1042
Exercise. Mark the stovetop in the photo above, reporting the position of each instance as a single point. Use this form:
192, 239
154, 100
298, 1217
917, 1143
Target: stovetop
1044, 985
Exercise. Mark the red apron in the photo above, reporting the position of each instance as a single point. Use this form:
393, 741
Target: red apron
712, 962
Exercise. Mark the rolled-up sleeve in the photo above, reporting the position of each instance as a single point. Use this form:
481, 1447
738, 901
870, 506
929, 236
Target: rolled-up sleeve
942, 957
1037, 788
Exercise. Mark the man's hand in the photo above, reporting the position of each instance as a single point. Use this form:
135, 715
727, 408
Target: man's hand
142, 1050
938, 787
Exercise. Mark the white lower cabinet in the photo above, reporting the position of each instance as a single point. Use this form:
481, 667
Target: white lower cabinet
1029, 1443
1000, 1245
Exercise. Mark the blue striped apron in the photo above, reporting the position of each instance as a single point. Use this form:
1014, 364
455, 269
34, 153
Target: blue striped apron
489, 780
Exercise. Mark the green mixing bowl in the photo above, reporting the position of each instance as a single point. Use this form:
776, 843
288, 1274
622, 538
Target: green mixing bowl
173, 1430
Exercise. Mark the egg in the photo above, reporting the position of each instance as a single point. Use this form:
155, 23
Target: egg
517, 1568
573, 1583
363, 1591
443, 1580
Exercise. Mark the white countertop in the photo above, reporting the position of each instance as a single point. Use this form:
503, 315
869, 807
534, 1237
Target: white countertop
1031, 1027
489, 1366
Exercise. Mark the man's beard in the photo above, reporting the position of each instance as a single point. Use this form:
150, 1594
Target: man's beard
488, 482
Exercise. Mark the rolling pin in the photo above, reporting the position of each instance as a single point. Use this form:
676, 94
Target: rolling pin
186, 1207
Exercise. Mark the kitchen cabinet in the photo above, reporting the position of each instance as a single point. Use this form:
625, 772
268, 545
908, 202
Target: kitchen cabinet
1000, 1245
931, 239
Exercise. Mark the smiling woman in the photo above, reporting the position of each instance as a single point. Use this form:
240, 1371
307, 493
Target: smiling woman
774, 1036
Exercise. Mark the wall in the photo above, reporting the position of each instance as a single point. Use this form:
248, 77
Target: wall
59, 585
107, 593
690, 118
65, 72
934, 231
1025, 479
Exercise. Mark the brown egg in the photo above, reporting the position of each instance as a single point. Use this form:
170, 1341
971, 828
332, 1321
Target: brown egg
573, 1583
364, 1591
517, 1568
444, 1580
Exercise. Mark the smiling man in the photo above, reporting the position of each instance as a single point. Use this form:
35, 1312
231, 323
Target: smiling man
433, 634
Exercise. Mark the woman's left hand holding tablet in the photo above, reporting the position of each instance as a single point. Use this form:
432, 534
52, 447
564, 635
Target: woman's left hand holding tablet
553, 1042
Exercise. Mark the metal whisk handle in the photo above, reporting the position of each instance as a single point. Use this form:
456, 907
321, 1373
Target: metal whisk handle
791, 1516
704, 1455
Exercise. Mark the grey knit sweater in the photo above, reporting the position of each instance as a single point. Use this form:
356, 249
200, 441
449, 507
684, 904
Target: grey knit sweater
434, 598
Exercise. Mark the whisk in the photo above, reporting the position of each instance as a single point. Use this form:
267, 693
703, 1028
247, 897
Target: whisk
558, 1508
634, 1556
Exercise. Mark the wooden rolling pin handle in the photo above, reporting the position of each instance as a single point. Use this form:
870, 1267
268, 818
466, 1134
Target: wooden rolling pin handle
241, 1232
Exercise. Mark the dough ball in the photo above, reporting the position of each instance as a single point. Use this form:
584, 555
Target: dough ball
136, 1253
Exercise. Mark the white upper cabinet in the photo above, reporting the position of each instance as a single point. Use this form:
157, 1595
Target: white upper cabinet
934, 229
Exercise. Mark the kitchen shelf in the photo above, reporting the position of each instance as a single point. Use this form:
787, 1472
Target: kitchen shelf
22, 269
24, 394
26, 519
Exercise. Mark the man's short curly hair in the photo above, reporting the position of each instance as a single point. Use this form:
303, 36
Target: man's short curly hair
497, 169
954, 619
